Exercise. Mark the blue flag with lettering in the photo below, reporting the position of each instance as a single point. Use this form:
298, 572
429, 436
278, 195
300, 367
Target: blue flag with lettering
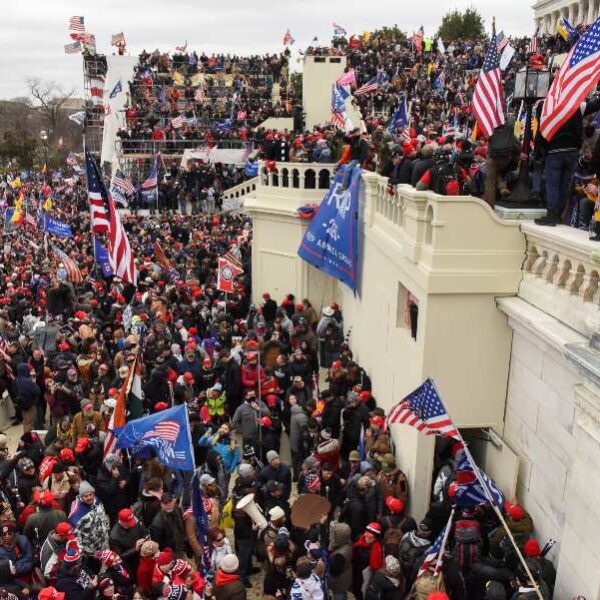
167, 432
331, 241
400, 118
102, 259
56, 227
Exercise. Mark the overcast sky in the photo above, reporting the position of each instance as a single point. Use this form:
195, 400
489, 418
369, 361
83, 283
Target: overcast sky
33, 32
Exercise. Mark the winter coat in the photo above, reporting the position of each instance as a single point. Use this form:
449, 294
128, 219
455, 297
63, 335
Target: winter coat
113, 497
298, 423
226, 447
167, 529
340, 558
21, 555
245, 419
282, 474
76, 586
28, 391
384, 587
91, 525
44, 521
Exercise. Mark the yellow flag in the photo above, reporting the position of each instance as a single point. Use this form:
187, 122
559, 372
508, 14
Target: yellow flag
16, 183
366, 36
429, 68
48, 204
178, 79
475, 132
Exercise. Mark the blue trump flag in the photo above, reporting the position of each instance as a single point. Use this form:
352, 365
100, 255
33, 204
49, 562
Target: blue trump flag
118, 88
56, 227
102, 259
331, 241
400, 118
166, 432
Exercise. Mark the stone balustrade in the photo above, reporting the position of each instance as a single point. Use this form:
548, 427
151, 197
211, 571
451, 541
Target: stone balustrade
297, 176
233, 198
561, 275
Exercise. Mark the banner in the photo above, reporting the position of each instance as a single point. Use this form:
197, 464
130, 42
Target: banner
331, 241
167, 432
102, 259
56, 227
506, 57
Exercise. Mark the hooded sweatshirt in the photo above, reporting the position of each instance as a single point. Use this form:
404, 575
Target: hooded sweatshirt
340, 558
29, 392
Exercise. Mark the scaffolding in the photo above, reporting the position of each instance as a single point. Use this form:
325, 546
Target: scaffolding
94, 73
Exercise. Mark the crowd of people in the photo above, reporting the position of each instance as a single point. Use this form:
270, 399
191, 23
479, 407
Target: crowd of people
257, 379
189, 100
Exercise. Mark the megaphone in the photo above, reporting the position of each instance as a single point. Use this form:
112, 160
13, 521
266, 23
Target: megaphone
249, 506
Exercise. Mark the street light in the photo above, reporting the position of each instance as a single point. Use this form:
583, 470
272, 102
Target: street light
44, 138
531, 85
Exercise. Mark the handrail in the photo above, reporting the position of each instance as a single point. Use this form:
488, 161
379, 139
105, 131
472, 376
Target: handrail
128, 146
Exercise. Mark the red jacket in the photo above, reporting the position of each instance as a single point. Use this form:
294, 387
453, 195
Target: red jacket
145, 572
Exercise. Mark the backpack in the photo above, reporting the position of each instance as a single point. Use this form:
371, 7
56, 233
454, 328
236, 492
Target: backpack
468, 543
425, 585
502, 142
409, 554
443, 175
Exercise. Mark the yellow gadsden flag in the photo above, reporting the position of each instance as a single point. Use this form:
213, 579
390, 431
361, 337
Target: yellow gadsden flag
48, 204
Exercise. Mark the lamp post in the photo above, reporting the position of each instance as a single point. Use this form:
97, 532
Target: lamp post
44, 138
531, 85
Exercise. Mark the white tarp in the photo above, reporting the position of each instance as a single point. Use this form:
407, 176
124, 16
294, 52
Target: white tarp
227, 156
120, 68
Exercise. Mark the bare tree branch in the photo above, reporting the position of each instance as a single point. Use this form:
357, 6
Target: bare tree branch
49, 98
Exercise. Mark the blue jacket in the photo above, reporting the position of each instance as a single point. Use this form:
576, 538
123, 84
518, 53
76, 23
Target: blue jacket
22, 559
228, 452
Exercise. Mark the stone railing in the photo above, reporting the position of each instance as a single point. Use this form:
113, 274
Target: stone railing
297, 176
561, 275
233, 198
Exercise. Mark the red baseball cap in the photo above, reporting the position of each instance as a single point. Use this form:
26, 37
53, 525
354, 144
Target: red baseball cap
66, 455
46, 498
50, 593
127, 518
63, 528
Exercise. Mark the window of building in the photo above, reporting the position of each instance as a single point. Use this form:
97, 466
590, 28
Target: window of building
407, 313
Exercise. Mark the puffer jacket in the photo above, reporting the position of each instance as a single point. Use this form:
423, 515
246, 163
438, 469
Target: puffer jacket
340, 558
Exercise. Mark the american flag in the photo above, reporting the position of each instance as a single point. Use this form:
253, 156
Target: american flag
166, 430
122, 260
121, 187
469, 488
73, 272
98, 205
338, 29
73, 48
423, 409
88, 39
371, 85
181, 48
501, 42
178, 122
199, 95
30, 220
488, 97
165, 264
72, 160
234, 263
152, 180
96, 90
577, 77
288, 40
534, 45
76, 24
436, 550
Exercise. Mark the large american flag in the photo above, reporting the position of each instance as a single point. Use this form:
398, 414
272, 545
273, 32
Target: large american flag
120, 255
73, 272
435, 553
152, 180
534, 45
371, 86
577, 77
488, 97
470, 481
76, 24
177, 122
121, 187
73, 48
98, 205
423, 409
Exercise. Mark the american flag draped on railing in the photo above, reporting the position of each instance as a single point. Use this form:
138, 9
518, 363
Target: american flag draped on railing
424, 410
488, 97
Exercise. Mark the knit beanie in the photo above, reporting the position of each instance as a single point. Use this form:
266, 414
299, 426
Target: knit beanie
230, 563
85, 487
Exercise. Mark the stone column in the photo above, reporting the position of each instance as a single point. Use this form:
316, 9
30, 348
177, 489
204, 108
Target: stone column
592, 11
571, 13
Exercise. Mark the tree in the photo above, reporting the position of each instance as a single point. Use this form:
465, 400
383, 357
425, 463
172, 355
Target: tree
467, 25
50, 99
391, 34
19, 148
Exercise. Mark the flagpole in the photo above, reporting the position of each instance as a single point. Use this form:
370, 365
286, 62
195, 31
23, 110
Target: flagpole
440, 557
488, 495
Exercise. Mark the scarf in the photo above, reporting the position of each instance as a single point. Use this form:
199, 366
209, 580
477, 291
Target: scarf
225, 578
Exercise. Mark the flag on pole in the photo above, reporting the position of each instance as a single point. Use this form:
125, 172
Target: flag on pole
577, 77
501, 42
117, 38
288, 40
534, 45
152, 180
417, 39
202, 524
177, 122
166, 432
566, 31
121, 188
76, 24
434, 556
338, 29
72, 160
73, 272
236, 265
423, 409
348, 78
470, 482
164, 263
122, 259
73, 48
225, 276
400, 119
116, 90
488, 98
118, 419
371, 85
181, 49
78, 117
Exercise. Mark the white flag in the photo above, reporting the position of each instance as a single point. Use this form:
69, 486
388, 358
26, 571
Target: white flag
506, 57
78, 117
440, 46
